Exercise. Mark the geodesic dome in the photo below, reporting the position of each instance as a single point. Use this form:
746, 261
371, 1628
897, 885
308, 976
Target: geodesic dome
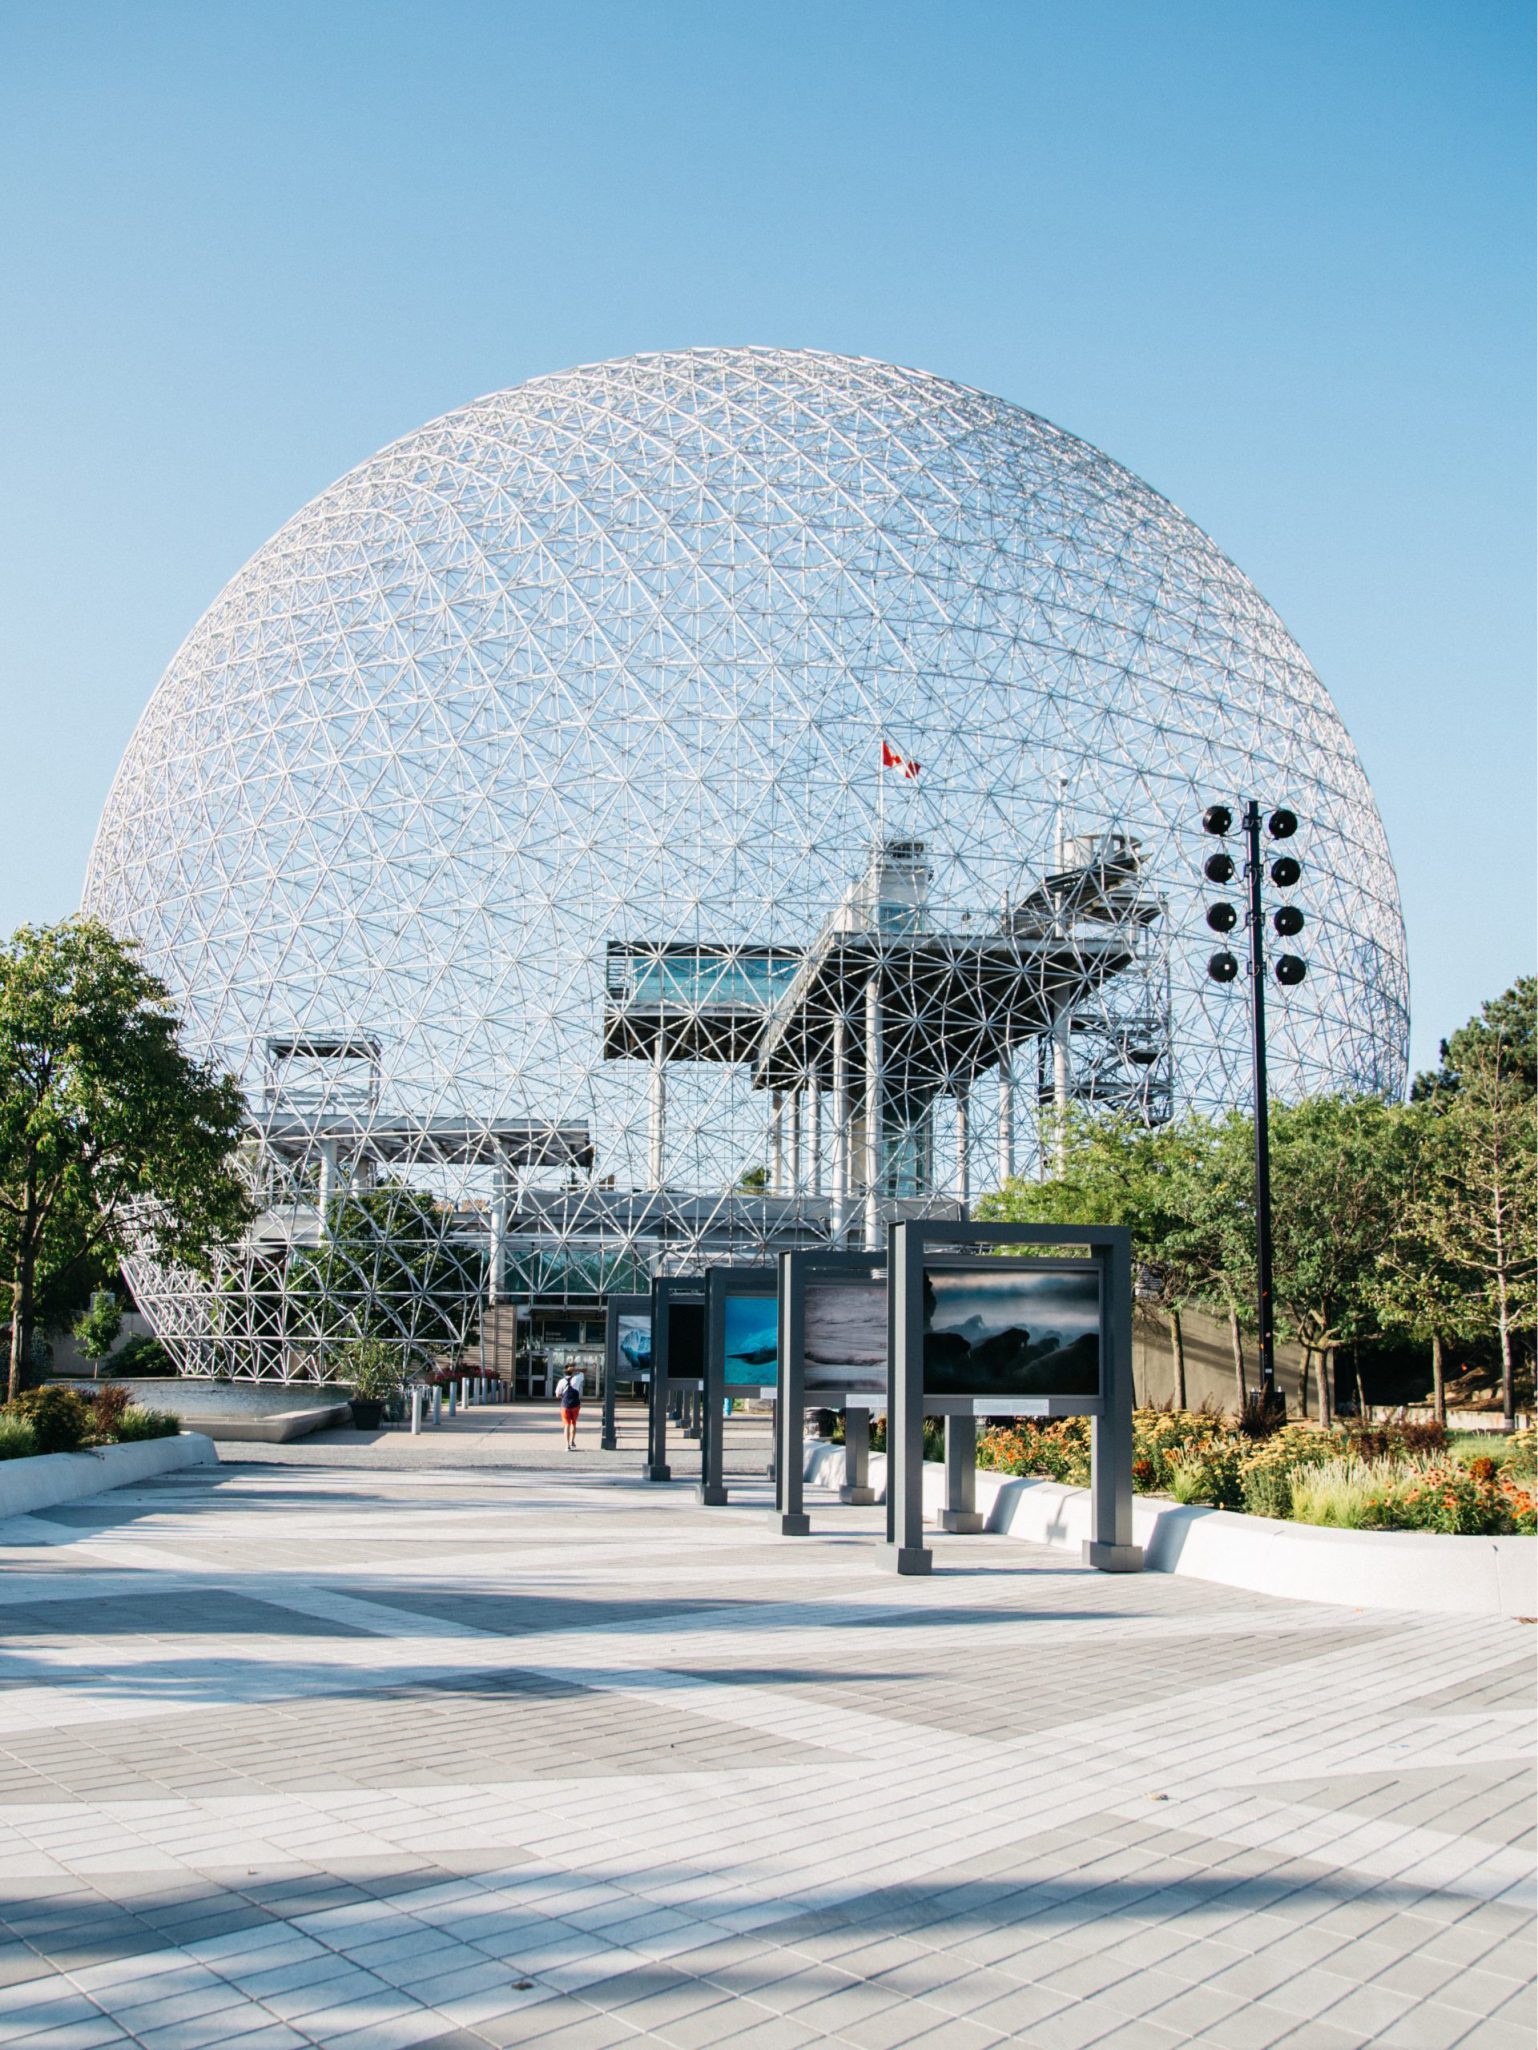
550, 735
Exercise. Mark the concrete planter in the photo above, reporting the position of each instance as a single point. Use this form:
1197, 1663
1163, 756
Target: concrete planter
265, 1412
48, 1478
1364, 1569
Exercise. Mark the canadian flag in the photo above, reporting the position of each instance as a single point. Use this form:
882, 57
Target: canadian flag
891, 759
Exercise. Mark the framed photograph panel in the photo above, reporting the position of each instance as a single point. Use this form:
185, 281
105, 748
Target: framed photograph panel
1008, 1331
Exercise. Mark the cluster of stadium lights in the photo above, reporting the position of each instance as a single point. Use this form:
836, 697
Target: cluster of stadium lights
1287, 920
1286, 871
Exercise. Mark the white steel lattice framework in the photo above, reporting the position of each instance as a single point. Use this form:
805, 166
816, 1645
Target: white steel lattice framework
512, 825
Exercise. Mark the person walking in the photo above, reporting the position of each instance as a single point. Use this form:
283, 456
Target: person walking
568, 1393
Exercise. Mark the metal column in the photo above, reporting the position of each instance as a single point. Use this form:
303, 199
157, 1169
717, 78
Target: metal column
659, 1107
1006, 1117
873, 1114
840, 1129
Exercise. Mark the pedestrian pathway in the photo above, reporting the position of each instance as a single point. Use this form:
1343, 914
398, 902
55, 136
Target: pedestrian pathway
456, 1745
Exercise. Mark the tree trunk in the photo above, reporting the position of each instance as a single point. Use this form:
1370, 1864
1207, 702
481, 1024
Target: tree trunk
1438, 1380
1308, 1361
24, 1282
17, 1340
1178, 1355
1508, 1376
1326, 1371
1236, 1340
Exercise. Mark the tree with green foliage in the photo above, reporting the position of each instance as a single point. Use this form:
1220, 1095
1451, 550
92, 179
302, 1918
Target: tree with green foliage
390, 1266
1482, 1217
97, 1331
1505, 1033
1117, 1171
1337, 1164
1422, 1294
112, 1136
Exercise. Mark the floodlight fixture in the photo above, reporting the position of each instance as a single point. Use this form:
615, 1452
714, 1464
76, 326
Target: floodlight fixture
1290, 969
1288, 921
1222, 917
1223, 966
1282, 823
1219, 868
1285, 871
1217, 818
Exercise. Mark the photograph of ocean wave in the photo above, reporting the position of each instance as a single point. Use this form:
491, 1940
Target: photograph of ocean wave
845, 1339
634, 1342
1012, 1333
752, 1338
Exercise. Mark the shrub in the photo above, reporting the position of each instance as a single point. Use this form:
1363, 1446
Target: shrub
141, 1358
934, 1438
1442, 1495
137, 1424
1257, 1417
1055, 1451
1208, 1473
60, 1419
17, 1440
107, 1407
1267, 1490
1160, 1437
373, 1368
1391, 1441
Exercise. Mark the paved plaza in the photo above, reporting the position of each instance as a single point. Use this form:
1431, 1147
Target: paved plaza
466, 1743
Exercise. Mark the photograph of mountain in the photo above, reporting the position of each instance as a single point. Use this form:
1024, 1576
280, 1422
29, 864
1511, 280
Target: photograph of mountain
1012, 1333
845, 1339
752, 1339
635, 1343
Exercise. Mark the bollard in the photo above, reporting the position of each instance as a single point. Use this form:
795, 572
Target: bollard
416, 1412
453, 1397
437, 1404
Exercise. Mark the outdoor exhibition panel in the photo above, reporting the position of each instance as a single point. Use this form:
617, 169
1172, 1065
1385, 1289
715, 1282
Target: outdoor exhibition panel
678, 1358
741, 1349
833, 1355
627, 1353
1009, 1320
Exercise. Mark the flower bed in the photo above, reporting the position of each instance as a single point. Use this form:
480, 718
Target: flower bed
1411, 1477
46, 1420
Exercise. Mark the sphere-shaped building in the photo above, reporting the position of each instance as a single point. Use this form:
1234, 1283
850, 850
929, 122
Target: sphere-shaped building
514, 825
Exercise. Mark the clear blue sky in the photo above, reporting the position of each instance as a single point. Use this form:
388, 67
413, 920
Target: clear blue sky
1275, 258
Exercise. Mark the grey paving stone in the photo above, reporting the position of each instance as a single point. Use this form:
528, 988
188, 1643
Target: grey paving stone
562, 1714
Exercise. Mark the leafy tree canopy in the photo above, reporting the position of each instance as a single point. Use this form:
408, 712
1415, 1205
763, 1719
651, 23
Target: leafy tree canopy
1504, 1033
111, 1134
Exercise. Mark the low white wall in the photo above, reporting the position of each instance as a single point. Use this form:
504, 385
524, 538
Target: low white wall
1366, 1569
27, 1485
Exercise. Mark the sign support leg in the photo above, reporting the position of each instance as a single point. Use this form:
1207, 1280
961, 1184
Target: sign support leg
960, 1510
857, 1487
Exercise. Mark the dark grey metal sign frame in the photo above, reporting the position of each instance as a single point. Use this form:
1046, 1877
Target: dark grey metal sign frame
912, 1245
721, 1282
797, 1271
618, 1306
666, 1290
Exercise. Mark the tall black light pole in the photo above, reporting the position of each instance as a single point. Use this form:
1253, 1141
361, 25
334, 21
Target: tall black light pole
1290, 969
1265, 1300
